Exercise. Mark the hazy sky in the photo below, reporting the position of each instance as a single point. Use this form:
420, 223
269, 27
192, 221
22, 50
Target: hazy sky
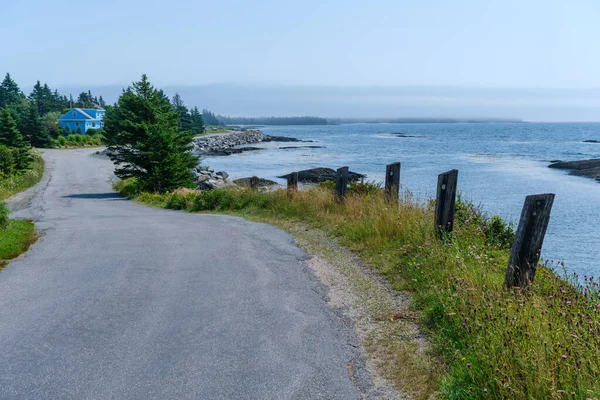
499, 43
467, 58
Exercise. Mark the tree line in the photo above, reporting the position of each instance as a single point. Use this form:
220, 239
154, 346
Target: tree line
224, 120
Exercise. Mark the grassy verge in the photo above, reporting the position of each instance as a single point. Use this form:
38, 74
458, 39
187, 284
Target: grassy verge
15, 239
14, 184
488, 343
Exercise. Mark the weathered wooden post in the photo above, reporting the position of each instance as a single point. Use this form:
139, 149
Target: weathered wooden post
254, 182
341, 183
392, 181
445, 200
292, 182
526, 248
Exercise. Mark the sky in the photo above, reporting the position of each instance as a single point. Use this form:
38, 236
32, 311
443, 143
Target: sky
516, 46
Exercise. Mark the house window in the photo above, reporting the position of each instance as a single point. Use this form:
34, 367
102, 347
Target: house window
76, 123
74, 113
93, 124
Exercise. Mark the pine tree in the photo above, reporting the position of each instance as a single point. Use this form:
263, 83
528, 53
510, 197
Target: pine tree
10, 94
197, 122
184, 120
101, 102
11, 137
145, 142
33, 130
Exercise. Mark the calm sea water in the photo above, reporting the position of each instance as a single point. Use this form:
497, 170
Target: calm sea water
499, 164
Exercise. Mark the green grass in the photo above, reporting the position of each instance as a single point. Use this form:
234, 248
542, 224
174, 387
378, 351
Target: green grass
209, 130
15, 239
17, 183
488, 343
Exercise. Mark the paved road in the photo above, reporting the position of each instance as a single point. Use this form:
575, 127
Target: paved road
122, 301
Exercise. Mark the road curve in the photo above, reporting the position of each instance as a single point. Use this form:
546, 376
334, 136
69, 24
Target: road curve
123, 301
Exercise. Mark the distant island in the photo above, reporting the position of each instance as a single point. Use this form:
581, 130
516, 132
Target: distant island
337, 121
271, 120
258, 121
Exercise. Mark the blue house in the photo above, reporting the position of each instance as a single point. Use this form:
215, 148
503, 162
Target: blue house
82, 119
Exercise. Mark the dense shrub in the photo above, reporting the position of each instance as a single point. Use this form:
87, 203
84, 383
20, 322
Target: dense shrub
7, 161
79, 140
4, 211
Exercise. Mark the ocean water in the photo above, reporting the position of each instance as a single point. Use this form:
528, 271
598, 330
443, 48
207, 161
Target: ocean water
499, 164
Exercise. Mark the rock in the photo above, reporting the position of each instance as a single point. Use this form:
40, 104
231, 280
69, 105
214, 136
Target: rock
245, 182
301, 147
224, 174
586, 168
280, 139
317, 175
591, 141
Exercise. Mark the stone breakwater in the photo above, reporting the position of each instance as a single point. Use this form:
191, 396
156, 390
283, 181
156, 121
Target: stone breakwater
217, 145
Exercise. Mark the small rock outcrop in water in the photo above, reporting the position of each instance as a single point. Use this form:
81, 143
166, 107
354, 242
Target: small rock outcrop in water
591, 141
245, 182
587, 168
317, 175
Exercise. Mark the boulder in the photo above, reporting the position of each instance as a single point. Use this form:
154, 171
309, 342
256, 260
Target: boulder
245, 182
317, 175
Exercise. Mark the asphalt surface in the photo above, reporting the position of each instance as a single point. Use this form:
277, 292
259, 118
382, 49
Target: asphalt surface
123, 301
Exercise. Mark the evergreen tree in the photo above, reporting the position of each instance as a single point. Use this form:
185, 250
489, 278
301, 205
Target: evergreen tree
210, 119
33, 130
143, 139
184, 120
11, 137
101, 102
10, 94
197, 122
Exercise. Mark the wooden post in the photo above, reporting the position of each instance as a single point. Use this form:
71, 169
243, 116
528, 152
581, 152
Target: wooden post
445, 199
341, 183
392, 181
526, 248
254, 182
292, 182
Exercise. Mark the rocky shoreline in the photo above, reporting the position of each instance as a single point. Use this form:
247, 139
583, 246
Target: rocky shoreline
585, 168
227, 144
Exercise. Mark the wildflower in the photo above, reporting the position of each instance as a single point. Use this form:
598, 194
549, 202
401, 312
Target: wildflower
485, 390
467, 221
485, 227
564, 356
568, 301
550, 296
468, 365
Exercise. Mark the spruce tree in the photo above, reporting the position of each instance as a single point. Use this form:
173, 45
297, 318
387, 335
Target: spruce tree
184, 120
10, 94
197, 122
145, 142
33, 129
11, 137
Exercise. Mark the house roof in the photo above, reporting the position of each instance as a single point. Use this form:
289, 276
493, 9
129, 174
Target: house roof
82, 114
81, 110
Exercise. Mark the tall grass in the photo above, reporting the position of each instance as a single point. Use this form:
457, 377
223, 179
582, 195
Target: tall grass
492, 343
9, 185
